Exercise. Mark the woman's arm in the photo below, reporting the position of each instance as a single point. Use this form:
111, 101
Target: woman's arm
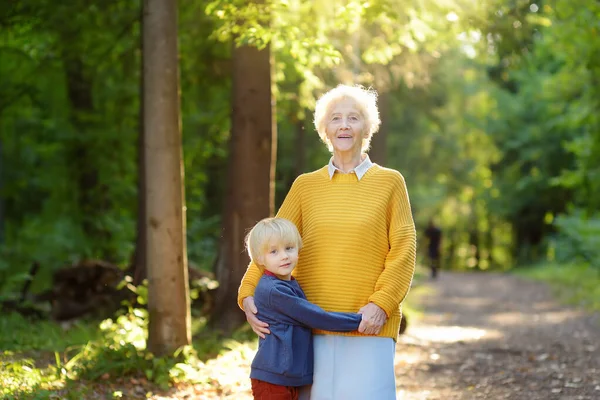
395, 280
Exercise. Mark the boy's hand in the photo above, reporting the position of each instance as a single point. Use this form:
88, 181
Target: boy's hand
259, 327
373, 318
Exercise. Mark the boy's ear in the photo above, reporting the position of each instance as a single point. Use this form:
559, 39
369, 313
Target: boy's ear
260, 259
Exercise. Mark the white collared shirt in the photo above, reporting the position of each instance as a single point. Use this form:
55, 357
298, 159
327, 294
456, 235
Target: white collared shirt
360, 170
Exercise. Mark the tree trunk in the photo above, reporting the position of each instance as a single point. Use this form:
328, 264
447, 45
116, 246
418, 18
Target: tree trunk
250, 183
378, 152
139, 254
168, 300
2, 222
450, 259
490, 239
300, 160
92, 200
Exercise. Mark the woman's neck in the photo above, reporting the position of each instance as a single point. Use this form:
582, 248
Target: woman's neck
347, 161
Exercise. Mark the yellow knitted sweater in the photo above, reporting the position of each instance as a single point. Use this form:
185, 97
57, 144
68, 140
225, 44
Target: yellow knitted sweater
359, 242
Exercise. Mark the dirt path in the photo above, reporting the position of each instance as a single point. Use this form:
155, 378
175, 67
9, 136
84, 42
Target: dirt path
494, 336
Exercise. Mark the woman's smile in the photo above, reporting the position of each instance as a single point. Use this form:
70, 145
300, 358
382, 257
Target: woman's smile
346, 127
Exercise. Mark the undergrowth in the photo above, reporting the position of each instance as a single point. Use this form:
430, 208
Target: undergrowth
40, 358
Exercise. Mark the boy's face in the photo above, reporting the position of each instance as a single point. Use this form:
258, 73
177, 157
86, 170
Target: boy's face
280, 259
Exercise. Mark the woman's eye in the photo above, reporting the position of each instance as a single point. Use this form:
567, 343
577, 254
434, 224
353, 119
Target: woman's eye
335, 118
353, 118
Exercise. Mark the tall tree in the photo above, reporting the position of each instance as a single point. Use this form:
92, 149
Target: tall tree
378, 151
168, 300
139, 255
250, 183
91, 193
1, 198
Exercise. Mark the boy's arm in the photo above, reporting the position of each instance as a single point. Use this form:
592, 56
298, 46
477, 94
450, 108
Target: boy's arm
283, 300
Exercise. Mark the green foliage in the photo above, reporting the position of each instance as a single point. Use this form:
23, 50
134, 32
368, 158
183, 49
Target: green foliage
85, 351
62, 149
40, 358
245, 22
578, 239
531, 90
16, 334
68, 167
121, 352
493, 119
574, 283
18, 376
32, 352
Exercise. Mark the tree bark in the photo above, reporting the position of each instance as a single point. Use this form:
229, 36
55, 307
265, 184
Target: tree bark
300, 159
2, 217
168, 300
250, 184
91, 198
139, 254
378, 152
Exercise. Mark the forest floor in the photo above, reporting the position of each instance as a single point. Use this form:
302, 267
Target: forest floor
496, 336
472, 336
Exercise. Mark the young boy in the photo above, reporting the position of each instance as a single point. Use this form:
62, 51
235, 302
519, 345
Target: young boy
284, 360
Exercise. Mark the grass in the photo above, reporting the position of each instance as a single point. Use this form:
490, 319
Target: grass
574, 284
19, 333
89, 359
33, 352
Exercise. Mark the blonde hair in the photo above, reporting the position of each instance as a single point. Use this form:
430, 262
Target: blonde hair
268, 229
366, 102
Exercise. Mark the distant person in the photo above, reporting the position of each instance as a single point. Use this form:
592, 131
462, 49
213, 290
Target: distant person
434, 237
284, 361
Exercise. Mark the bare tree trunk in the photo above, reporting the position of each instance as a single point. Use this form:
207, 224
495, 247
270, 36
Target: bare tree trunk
490, 239
2, 222
92, 199
250, 183
450, 258
139, 255
168, 300
300, 160
378, 152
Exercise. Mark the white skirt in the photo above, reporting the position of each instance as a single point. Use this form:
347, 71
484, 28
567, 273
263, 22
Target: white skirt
352, 368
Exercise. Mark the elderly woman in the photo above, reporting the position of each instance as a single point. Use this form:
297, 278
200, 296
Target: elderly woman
359, 251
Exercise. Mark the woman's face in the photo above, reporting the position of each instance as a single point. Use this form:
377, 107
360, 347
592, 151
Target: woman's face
346, 127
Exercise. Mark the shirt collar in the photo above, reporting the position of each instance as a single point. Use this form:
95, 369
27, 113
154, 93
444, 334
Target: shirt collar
272, 274
360, 170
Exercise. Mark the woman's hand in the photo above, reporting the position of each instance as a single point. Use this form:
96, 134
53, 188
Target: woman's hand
259, 327
373, 318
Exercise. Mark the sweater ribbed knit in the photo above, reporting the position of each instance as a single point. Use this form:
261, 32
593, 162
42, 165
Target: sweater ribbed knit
359, 242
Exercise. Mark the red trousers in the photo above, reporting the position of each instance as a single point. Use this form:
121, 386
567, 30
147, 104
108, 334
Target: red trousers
267, 391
